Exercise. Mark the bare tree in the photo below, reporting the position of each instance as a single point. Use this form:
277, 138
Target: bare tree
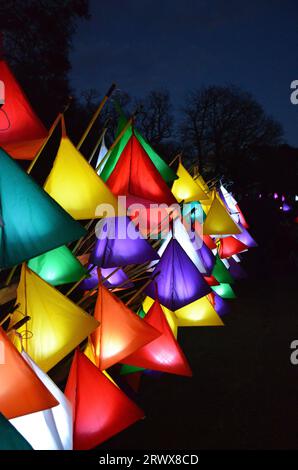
155, 119
222, 124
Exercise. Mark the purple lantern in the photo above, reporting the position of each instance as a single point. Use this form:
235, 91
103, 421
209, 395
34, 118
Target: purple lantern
120, 244
178, 280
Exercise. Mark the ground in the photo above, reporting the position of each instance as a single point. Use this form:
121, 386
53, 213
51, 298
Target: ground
243, 394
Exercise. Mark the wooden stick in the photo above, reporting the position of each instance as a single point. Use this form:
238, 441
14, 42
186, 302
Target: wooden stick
77, 245
95, 115
95, 288
79, 281
141, 289
129, 122
179, 155
99, 141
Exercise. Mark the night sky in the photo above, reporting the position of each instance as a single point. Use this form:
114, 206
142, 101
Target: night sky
181, 45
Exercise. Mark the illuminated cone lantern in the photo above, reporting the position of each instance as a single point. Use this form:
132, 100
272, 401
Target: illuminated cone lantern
230, 246
42, 224
21, 132
218, 220
100, 409
11, 439
57, 266
56, 324
185, 188
165, 171
21, 391
119, 243
136, 177
75, 185
179, 232
121, 331
49, 429
178, 279
163, 354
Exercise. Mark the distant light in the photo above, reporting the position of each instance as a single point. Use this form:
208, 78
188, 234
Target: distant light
275, 196
285, 207
260, 195
296, 197
283, 198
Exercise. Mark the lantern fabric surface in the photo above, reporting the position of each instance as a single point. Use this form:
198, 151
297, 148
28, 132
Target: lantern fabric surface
170, 316
246, 238
218, 220
185, 188
225, 291
49, 429
119, 243
21, 131
121, 331
57, 325
178, 279
21, 391
207, 257
230, 246
58, 266
220, 272
75, 185
100, 409
164, 353
11, 439
198, 313
32, 223
135, 175
220, 305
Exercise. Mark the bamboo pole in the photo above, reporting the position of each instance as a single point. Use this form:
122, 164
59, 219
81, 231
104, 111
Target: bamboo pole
79, 281
77, 245
129, 122
95, 115
95, 288
139, 291
179, 155
98, 143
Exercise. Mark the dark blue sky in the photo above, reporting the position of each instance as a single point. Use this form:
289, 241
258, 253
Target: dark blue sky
184, 44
